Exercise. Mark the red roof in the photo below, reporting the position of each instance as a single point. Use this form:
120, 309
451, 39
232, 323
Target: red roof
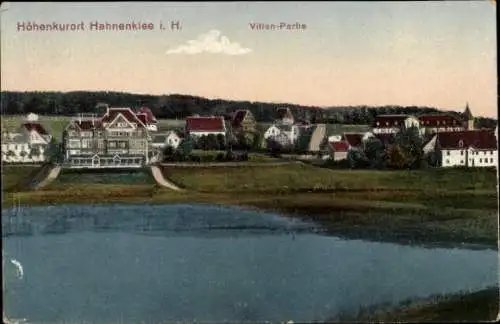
238, 117
205, 124
478, 139
150, 118
353, 139
340, 146
112, 113
87, 124
439, 121
389, 121
143, 118
37, 127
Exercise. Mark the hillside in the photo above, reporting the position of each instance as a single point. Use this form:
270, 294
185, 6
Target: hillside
179, 106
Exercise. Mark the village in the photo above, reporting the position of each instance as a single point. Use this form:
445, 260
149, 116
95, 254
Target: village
127, 138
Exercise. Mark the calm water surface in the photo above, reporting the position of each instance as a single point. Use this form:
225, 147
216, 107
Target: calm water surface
133, 264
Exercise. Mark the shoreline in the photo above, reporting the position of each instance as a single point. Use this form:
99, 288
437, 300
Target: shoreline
332, 222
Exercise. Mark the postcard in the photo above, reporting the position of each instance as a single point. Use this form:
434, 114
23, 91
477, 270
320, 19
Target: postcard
249, 162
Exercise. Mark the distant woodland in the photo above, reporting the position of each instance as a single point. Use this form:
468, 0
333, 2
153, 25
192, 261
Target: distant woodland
177, 106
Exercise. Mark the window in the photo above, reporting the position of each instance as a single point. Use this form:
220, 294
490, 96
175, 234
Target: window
491, 152
123, 145
491, 160
444, 122
461, 152
447, 161
460, 143
121, 124
447, 152
462, 162
480, 160
112, 144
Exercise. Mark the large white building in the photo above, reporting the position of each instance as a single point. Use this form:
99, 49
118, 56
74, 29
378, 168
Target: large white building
475, 148
391, 124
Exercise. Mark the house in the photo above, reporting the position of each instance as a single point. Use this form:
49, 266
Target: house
31, 144
243, 121
338, 150
31, 117
391, 124
356, 141
284, 116
148, 119
440, 123
197, 126
119, 138
280, 131
474, 148
161, 141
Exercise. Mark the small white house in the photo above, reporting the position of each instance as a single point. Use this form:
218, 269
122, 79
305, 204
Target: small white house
31, 117
170, 139
16, 148
292, 132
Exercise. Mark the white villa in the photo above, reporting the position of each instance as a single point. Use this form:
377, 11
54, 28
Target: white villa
30, 144
284, 134
170, 139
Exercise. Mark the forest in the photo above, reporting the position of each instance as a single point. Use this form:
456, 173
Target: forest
178, 106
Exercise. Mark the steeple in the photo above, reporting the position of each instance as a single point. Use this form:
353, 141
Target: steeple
468, 118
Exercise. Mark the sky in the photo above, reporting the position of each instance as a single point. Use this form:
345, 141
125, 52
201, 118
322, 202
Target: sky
440, 54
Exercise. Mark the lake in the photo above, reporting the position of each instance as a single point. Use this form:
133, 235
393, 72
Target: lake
141, 263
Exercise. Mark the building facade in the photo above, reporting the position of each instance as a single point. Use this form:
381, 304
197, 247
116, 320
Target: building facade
119, 138
199, 126
391, 124
30, 144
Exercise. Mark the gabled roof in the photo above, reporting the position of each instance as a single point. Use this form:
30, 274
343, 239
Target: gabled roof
353, 139
339, 146
389, 121
150, 118
478, 139
238, 117
37, 127
87, 125
205, 124
282, 113
131, 117
439, 121
467, 115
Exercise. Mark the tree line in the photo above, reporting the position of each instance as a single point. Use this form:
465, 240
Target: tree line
178, 106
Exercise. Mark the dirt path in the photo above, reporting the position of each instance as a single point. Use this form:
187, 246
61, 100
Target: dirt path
160, 179
48, 174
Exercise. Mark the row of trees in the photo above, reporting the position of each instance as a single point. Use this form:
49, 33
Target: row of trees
404, 151
176, 106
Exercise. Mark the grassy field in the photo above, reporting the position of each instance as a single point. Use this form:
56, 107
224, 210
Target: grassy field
481, 306
454, 206
56, 124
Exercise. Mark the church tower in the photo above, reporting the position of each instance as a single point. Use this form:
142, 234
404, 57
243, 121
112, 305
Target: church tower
467, 118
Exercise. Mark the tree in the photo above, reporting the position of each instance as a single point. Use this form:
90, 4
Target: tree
221, 141
410, 141
374, 152
211, 142
185, 146
397, 158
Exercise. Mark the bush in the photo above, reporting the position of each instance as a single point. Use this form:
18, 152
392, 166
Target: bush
220, 157
230, 156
